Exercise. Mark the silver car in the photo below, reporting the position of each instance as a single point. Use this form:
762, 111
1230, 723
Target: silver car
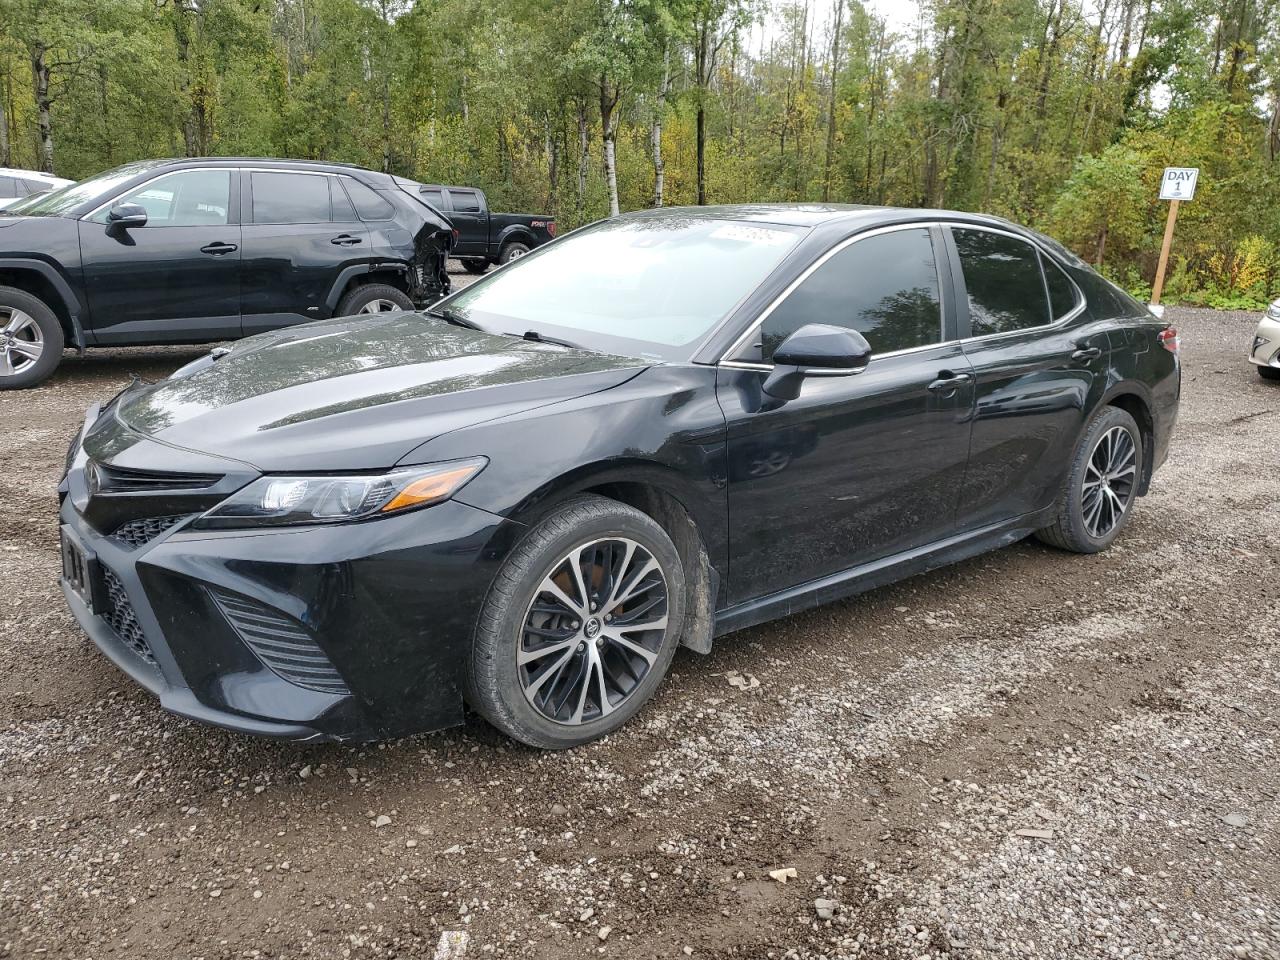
18, 184
1266, 343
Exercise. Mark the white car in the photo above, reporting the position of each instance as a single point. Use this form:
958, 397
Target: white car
17, 184
1266, 343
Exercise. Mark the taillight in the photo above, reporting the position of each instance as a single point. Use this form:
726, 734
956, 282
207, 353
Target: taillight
456, 234
1168, 338
551, 227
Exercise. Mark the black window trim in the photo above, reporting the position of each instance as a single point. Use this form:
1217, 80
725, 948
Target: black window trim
930, 226
962, 290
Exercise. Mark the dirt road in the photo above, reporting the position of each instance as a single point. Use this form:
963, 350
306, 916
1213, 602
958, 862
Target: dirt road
1122, 712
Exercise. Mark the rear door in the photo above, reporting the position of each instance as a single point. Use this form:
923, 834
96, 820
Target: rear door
1035, 357
301, 233
471, 221
174, 280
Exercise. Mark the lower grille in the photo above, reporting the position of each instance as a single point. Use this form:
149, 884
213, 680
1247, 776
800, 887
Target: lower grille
136, 533
280, 642
119, 616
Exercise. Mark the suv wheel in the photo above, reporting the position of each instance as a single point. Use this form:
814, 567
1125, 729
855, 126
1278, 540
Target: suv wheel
31, 340
1101, 485
1269, 373
579, 626
513, 251
472, 265
374, 298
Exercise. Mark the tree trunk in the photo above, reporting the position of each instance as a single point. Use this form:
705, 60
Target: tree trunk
584, 158
5, 159
1273, 138
701, 67
608, 134
1102, 247
831, 101
655, 131
44, 125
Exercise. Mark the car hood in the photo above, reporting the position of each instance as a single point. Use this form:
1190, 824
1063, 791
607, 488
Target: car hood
358, 393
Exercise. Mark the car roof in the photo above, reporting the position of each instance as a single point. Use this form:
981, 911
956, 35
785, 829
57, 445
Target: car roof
32, 175
273, 162
816, 214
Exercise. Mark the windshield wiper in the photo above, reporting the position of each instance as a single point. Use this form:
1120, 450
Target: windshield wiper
450, 315
536, 337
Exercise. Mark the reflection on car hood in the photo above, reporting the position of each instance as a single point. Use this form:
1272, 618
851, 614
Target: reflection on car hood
358, 393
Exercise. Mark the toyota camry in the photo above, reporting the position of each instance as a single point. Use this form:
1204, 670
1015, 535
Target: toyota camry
647, 434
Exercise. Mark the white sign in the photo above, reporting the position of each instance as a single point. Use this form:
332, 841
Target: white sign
1179, 183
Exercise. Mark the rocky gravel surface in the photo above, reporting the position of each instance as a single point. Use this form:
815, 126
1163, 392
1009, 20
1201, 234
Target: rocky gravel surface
1030, 754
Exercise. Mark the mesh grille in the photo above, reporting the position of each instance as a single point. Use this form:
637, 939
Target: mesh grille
280, 642
119, 616
135, 533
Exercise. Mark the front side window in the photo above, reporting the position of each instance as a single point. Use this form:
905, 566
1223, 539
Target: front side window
885, 287
189, 198
649, 287
1003, 280
290, 198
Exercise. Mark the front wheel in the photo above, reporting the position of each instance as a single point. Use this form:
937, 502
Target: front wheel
579, 626
1269, 373
1101, 486
31, 340
374, 298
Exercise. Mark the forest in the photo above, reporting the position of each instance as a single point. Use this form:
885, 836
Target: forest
1060, 114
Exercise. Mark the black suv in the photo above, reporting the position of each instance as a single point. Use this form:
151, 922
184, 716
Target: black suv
199, 250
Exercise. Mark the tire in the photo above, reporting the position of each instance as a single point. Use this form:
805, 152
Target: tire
1081, 526
513, 250
1269, 373
374, 298
31, 340
509, 625
475, 266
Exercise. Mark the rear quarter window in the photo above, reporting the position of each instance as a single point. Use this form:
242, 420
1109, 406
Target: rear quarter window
368, 203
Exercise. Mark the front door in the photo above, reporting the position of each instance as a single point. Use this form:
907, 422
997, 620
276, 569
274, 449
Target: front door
174, 280
859, 467
300, 233
471, 222
1035, 358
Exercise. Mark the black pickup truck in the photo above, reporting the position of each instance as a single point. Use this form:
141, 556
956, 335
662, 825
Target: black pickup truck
484, 237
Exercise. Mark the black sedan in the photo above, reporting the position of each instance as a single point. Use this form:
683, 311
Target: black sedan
650, 432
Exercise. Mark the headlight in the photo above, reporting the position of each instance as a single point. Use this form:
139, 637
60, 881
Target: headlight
1273, 311
281, 501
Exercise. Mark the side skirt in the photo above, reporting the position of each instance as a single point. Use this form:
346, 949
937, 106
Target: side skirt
880, 572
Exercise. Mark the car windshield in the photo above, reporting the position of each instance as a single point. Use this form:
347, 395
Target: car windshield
647, 287
58, 203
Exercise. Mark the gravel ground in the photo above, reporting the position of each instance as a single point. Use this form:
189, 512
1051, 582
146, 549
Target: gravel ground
1030, 754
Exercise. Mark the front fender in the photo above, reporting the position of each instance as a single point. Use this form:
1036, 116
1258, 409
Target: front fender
70, 300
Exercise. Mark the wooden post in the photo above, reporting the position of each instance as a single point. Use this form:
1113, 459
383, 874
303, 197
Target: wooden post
1164, 251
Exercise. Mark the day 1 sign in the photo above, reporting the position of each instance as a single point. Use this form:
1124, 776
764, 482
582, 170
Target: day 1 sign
1179, 183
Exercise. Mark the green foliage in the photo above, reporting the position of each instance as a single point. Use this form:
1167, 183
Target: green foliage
1056, 113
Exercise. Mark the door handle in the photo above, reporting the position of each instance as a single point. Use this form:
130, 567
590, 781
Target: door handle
949, 382
345, 240
218, 249
1087, 353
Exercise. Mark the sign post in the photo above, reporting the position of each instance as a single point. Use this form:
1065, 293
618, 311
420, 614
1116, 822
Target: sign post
1177, 184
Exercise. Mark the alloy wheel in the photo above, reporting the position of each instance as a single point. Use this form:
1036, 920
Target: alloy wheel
379, 306
1109, 482
21, 341
593, 630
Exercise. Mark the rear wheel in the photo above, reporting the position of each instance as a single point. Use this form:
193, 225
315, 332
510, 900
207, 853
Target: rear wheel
374, 298
1269, 373
1101, 485
472, 265
31, 340
513, 251
579, 626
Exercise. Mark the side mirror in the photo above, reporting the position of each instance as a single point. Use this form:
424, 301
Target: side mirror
815, 350
127, 215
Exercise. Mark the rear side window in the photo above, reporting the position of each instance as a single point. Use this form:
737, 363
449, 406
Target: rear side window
290, 198
9, 188
1062, 292
885, 287
369, 205
465, 201
1002, 277
343, 211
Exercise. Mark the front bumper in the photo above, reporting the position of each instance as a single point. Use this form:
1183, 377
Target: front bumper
1265, 351
350, 632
